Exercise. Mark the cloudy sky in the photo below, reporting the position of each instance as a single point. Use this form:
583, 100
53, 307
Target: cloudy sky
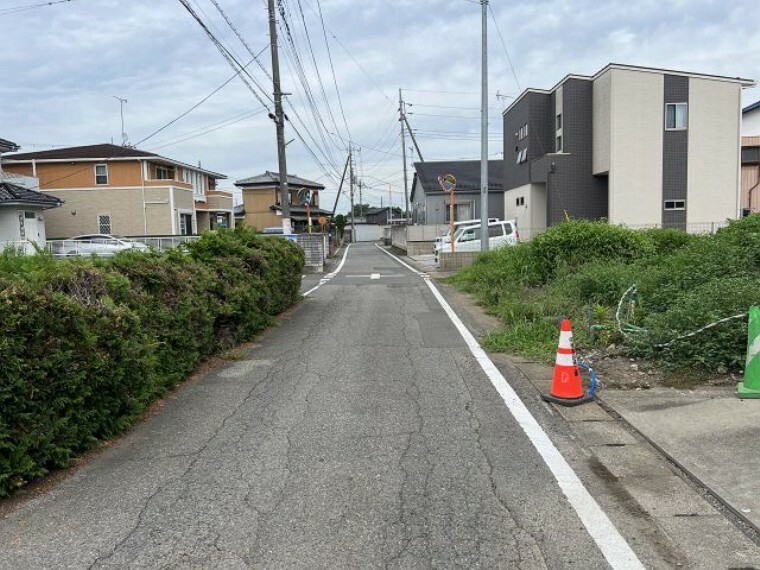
65, 61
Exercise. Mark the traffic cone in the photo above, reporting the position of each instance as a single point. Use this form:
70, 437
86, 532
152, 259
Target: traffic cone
567, 389
750, 386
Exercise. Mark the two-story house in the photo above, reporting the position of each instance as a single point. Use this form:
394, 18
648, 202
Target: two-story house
111, 189
635, 145
262, 207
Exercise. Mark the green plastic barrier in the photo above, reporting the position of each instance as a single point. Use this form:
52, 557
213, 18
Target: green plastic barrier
750, 386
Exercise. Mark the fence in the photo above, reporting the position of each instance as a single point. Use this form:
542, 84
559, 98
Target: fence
316, 248
102, 247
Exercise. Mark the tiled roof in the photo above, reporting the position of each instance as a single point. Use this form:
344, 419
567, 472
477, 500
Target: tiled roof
95, 151
14, 194
7, 146
301, 210
467, 173
273, 178
375, 211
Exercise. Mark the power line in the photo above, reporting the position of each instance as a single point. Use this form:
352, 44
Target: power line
231, 59
194, 107
16, 9
506, 51
212, 128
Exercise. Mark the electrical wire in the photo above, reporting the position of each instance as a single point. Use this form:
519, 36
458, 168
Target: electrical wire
503, 45
17, 9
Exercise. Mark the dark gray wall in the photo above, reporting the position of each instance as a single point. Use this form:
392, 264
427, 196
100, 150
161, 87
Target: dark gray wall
572, 189
675, 152
495, 205
535, 109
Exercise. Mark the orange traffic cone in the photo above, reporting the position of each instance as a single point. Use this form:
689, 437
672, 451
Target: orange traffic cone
567, 389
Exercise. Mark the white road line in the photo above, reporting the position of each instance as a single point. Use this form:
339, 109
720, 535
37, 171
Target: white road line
409, 267
609, 540
329, 276
374, 276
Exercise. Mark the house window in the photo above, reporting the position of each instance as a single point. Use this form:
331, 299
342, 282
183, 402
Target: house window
559, 143
104, 224
101, 174
559, 121
675, 204
520, 201
164, 173
186, 224
676, 116
522, 156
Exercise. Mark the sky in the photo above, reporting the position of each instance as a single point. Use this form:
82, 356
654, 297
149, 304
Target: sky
66, 62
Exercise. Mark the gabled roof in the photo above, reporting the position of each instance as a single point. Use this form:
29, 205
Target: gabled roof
8, 146
13, 194
99, 152
467, 173
753, 107
375, 211
273, 179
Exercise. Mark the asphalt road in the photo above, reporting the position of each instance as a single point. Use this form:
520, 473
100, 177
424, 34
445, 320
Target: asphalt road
360, 433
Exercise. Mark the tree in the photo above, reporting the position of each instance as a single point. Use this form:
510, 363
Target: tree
360, 210
340, 223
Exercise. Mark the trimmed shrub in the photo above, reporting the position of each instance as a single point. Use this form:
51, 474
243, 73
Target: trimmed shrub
87, 344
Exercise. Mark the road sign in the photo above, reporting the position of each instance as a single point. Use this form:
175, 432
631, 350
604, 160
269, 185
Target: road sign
448, 184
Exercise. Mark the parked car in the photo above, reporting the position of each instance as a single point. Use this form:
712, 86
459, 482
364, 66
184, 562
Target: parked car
467, 238
100, 244
446, 238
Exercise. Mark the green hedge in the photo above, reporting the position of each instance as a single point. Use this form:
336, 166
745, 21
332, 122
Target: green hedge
581, 269
87, 344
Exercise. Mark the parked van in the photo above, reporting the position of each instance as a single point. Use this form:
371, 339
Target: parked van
446, 238
467, 238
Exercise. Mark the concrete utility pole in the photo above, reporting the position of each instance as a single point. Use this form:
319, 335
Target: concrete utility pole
402, 118
484, 132
279, 120
351, 186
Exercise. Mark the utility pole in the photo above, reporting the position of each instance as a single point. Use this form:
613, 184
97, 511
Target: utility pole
484, 132
414, 140
351, 187
402, 118
124, 140
279, 121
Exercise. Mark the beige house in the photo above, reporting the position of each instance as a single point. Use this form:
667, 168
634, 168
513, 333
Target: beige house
111, 189
261, 201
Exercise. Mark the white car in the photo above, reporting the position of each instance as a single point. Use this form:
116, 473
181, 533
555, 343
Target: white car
100, 244
467, 238
446, 238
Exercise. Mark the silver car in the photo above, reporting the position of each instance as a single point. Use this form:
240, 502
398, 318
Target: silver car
100, 244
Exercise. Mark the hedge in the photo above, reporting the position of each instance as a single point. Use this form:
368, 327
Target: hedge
87, 344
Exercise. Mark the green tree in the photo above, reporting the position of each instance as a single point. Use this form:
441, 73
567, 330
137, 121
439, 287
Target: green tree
340, 223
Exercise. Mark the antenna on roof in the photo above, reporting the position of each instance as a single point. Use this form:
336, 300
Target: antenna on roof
124, 139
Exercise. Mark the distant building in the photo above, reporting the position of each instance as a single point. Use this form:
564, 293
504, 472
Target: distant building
430, 204
750, 175
261, 206
111, 189
751, 120
22, 206
637, 146
379, 216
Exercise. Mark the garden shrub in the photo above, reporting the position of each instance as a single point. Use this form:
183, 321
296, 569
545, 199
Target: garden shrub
87, 344
581, 269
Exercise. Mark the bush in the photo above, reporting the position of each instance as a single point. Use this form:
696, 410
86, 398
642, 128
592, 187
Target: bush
581, 270
86, 345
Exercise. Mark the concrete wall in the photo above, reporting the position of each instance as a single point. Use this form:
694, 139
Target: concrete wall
9, 225
79, 213
602, 122
636, 143
530, 216
714, 151
455, 261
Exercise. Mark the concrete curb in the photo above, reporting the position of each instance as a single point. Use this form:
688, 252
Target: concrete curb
688, 472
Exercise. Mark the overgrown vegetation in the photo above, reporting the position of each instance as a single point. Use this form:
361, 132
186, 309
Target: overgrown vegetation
87, 344
581, 269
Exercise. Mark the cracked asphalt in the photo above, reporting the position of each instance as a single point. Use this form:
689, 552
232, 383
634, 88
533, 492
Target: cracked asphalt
360, 433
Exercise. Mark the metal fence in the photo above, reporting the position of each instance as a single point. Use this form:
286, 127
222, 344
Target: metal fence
98, 247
